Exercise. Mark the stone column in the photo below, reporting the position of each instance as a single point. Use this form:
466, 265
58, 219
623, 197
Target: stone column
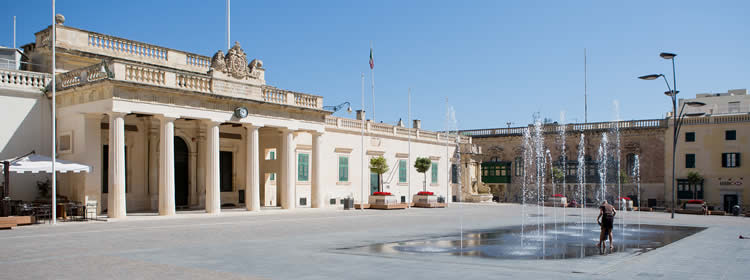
213, 195
116, 197
287, 170
252, 175
318, 194
166, 166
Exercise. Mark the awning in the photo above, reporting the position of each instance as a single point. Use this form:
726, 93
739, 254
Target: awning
35, 163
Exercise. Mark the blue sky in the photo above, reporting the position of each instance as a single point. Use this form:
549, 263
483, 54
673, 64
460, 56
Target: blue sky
495, 61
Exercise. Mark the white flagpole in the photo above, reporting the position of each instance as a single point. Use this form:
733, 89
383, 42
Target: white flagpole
54, 126
362, 122
372, 79
408, 165
447, 154
229, 39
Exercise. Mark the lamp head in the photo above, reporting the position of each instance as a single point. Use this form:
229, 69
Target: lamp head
695, 114
666, 55
671, 93
349, 109
650, 77
695, 103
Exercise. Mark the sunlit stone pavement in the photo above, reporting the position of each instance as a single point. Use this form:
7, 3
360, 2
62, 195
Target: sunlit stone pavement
309, 244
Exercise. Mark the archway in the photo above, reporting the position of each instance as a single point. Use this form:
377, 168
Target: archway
181, 172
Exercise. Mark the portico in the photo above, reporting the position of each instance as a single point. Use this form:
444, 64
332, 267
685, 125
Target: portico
166, 130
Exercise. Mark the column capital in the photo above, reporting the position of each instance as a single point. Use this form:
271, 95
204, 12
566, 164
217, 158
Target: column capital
252, 125
166, 117
117, 114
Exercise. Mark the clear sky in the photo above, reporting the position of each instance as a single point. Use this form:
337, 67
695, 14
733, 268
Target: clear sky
495, 61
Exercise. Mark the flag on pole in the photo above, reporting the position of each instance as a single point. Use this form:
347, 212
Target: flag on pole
372, 62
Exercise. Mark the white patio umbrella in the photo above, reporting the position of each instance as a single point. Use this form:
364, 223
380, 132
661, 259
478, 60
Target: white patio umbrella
35, 163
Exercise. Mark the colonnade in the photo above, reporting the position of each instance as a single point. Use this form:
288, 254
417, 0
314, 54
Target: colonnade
116, 198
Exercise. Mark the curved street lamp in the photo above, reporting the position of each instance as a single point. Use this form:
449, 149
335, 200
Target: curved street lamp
677, 118
334, 109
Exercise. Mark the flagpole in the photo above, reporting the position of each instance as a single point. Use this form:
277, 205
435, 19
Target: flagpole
372, 79
362, 126
229, 40
408, 165
447, 154
54, 126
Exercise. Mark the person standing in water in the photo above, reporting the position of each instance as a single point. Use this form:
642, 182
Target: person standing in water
607, 223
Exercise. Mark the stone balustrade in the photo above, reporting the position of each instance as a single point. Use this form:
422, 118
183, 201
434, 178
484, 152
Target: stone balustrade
383, 129
23, 79
555, 128
75, 39
147, 75
82, 76
193, 82
280, 96
125, 46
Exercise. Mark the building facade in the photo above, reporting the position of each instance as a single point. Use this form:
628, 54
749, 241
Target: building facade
712, 146
504, 166
165, 129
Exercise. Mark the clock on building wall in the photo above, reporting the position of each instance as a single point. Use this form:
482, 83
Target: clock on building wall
240, 112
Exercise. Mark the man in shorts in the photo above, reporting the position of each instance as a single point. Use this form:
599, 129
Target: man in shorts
606, 220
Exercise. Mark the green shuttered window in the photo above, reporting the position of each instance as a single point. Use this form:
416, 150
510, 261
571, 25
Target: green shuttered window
303, 167
343, 169
434, 172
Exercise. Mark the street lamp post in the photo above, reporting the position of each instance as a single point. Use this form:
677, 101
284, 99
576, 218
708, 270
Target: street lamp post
676, 118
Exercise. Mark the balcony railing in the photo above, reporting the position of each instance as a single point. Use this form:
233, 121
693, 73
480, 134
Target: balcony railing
18, 79
383, 129
163, 77
555, 128
116, 47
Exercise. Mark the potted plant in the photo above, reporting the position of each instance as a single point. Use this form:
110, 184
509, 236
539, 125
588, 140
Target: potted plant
423, 164
557, 200
381, 199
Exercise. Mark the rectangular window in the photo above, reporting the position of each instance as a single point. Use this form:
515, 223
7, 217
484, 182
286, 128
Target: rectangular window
519, 166
402, 171
689, 136
225, 171
303, 167
434, 172
343, 169
454, 173
730, 135
730, 160
272, 177
270, 154
690, 161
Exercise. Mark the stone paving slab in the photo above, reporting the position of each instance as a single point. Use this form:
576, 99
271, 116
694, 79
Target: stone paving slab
305, 244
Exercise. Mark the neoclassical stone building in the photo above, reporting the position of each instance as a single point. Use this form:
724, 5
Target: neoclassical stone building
166, 129
502, 160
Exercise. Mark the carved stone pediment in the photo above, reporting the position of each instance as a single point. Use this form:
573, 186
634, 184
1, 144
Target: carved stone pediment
235, 63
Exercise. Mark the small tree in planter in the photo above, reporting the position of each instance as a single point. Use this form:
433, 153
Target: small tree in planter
422, 165
693, 179
379, 165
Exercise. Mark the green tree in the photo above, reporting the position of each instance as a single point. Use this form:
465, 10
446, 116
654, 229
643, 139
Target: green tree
422, 165
694, 177
624, 177
557, 174
379, 165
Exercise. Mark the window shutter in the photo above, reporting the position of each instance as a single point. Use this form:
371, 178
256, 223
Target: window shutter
737, 162
724, 160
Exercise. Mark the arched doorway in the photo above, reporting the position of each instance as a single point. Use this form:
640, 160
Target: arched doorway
180, 172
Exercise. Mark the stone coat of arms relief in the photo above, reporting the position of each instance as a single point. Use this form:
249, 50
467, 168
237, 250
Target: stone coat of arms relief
235, 64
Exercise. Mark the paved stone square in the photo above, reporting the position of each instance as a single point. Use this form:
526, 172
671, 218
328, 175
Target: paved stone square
306, 244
